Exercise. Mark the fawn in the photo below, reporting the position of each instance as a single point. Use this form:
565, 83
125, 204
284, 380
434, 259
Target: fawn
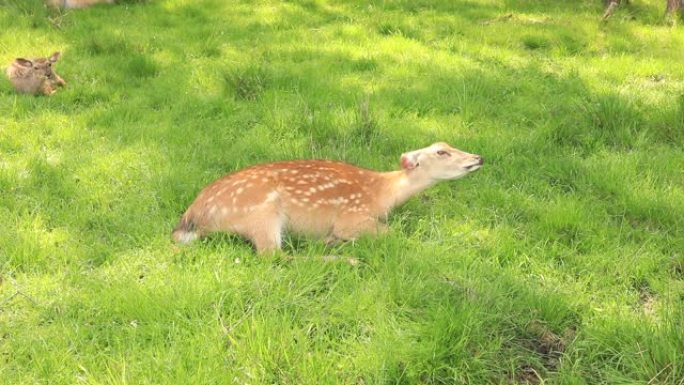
35, 76
329, 199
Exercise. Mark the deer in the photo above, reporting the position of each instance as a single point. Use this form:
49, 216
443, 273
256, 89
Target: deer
326, 199
77, 3
35, 76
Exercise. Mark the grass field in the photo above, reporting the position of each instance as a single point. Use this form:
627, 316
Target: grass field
560, 262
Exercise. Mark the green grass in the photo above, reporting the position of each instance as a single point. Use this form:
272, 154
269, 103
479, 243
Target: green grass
560, 262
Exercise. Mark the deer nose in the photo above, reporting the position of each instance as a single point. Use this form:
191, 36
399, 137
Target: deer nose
480, 160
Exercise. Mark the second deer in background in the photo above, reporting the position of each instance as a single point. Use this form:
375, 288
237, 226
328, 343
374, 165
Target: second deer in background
35, 76
77, 3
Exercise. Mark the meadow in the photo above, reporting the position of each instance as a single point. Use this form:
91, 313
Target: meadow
561, 261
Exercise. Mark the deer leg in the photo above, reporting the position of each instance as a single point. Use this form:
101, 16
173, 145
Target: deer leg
266, 242
59, 81
266, 230
349, 228
46, 88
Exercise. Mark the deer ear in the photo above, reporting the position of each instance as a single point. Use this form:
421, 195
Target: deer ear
55, 56
409, 161
23, 62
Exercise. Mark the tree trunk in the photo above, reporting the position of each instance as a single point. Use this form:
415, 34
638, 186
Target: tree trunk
610, 8
674, 5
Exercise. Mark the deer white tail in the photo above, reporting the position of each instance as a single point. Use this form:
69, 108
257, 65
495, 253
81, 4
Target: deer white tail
185, 231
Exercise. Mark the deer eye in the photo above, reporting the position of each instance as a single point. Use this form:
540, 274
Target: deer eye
443, 153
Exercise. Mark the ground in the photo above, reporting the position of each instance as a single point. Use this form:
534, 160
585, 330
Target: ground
560, 262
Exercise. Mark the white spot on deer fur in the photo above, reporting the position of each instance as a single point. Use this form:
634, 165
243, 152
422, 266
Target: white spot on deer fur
224, 210
212, 210
239, 191
271, 197
338, 200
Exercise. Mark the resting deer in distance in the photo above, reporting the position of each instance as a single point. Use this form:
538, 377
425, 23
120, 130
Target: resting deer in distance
35, 76
77, 3
328, 199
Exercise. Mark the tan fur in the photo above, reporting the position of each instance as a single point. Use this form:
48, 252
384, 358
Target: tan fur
328, 199
35, 76
77, 3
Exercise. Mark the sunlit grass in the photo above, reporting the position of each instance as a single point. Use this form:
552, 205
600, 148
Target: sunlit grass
559, 262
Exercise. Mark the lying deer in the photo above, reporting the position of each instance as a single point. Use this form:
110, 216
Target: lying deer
77, 3
35, 76
329, 199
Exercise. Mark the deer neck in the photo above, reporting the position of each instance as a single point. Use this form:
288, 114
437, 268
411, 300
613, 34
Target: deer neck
402, 185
